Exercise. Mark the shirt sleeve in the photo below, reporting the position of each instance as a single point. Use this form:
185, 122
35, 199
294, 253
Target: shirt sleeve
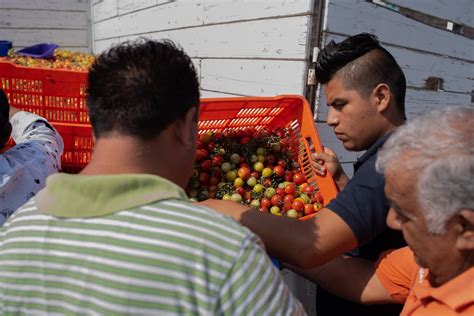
362, 204
395, 270
26, 166
254, 286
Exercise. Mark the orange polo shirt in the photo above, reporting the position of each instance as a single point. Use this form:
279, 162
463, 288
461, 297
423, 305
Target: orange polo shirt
408, 284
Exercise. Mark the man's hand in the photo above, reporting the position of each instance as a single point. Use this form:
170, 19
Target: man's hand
328, 161
229, 208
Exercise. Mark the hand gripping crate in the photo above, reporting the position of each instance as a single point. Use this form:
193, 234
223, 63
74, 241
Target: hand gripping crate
58, 96
286, 111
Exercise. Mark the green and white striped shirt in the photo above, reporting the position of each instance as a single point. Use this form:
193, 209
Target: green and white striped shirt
132, 244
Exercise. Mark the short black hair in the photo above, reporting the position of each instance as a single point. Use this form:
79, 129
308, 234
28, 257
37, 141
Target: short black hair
4, 118
139, 88
362, 63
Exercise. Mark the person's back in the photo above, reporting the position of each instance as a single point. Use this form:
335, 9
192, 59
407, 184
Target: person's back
121, 237
25, 167
163, 255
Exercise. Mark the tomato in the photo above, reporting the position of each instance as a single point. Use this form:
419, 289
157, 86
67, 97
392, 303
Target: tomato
261, 151
270, 192
252, 181
290, 188
236, 197
217, 160
204, 178
258, 166
205, 137
308, 189
258, 188
244, 173
206, 165
255, 174
200, 154
275, 210
288, 176
214, 180
280, 191
318, 207
226, 197
238, 182
266, 203
261, 158
298, 178
267, 172
255, 204
308, 209
263, 209
240, 190
279, 171
288, 198
318, 198
231, 175
276, 200
244, 140
267, 183
247, 196
210, 146
270, 159
244, 165
298, 205
292, 213
282, 163
226, 166
235, 158
253, 158
216, 172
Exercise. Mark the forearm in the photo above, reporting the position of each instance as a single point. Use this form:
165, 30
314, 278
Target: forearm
348, 277
341, 181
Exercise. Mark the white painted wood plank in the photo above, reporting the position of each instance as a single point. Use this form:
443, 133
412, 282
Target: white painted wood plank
457, 74
12, 18
58, 5
460, 11
66, 38
214, 94
101, 46
104, 9
175, 15
125, 6
253, 77
283, 38
348, 17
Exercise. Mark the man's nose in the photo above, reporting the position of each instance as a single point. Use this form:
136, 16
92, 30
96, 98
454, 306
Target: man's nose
332, 118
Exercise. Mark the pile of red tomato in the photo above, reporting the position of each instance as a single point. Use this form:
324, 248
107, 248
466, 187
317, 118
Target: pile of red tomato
256, 168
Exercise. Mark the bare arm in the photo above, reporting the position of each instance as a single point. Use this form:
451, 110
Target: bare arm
305, 244
350, 278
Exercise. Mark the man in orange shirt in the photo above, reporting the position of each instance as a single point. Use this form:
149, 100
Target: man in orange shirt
428, 166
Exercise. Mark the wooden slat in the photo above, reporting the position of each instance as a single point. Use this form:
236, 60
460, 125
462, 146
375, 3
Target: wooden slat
255, 39
353, 16
104, 9
66, 38
253, 77
12, 18
125, 6
459, 11
56, 5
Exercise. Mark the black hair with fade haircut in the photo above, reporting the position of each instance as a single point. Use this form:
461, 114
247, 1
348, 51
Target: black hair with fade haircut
362, 63
139, 88
4, 119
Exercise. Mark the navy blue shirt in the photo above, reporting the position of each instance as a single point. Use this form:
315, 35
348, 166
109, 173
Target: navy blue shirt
362, 204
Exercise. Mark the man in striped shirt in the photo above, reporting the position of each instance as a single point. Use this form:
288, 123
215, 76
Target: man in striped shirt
121, 237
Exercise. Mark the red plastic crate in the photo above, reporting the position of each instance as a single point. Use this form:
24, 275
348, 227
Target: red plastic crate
287, 111
59, 96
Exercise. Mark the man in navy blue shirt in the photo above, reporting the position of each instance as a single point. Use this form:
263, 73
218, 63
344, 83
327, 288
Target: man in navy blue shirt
365, 91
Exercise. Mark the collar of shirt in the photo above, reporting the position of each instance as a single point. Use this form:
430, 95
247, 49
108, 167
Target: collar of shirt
455, 293
371, 151
67, 195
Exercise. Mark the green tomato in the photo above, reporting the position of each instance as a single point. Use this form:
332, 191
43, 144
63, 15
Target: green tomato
255, 204
252, 181
258, 188
258, 166
270, 192
231, 175
236, 197
253, 158
267, 172
261, 158
238, 182
292, 213
261, 151
235, 158
226, 197
275, 210
226, 166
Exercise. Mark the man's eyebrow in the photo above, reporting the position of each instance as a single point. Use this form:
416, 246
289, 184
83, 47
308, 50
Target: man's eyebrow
337, 100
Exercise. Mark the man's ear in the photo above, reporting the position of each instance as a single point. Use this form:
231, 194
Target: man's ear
186, 128
5, 135
465, 239
382, 96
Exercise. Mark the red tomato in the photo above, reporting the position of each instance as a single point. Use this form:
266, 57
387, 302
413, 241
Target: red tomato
308, 209
265, 202
298, 205
200, 154
290, 188
217, 160
317, 198
244, 173
206, 165
288, 176
276, 200
308, 189
298, 178
267, 183
270, 159
204, 178
244, 140
240, 190
210, 146
263, 209
288, 198
279, 171
255, 174
216, 172
214, 180
282, 163
281, 191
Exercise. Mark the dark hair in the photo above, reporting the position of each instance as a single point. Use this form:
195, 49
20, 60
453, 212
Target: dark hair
139, 88
4, 118
362, 64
